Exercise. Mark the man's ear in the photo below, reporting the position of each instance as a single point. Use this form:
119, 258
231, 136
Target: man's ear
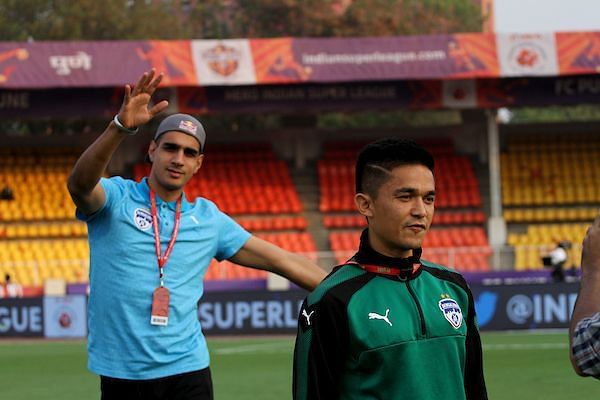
364, 204
151, 149
199, 161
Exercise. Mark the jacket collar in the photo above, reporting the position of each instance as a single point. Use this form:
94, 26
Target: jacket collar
366, 255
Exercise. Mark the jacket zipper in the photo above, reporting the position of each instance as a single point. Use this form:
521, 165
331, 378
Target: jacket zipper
419, 309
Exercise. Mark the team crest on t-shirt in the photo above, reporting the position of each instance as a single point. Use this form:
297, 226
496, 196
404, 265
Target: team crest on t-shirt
451, 311
142, 218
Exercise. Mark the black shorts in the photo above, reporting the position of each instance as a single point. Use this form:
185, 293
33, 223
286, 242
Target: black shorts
195, 385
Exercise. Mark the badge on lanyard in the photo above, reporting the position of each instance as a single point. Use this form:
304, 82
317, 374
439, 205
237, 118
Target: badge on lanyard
160, 306
161, 296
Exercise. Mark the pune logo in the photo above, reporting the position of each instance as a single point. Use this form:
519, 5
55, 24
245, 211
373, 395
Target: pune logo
451, 311
142, 218
222, 59
64, 320
527, 57
64, 317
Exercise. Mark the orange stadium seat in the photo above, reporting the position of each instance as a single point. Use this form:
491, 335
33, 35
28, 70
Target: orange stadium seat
273, 223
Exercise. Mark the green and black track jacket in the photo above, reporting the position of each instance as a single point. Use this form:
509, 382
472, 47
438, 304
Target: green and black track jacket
413, 336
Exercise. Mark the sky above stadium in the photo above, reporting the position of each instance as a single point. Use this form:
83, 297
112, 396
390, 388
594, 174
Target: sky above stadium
528, 16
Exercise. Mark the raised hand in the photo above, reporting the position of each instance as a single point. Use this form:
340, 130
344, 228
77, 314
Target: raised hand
134, 110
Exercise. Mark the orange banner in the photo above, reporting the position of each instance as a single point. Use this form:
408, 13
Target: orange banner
578, 52
275, 62
173, 58
474, 54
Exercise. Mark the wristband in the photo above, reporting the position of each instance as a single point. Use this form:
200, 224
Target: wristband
123, 128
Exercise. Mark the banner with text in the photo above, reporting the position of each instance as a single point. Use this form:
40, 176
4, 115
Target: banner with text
236, 62
535, 306
21, 317
250, 312
412, 95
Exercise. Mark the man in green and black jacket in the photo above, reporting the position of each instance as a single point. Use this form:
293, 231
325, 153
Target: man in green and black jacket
387, 325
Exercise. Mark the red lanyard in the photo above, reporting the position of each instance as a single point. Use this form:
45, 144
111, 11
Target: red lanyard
162, 259
378, 269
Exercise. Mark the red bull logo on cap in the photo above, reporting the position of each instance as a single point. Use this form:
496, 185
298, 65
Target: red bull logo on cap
188, 126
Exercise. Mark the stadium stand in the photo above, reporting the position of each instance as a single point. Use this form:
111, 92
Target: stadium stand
38, 182
549, 187
40, 239
550, 184
546, 169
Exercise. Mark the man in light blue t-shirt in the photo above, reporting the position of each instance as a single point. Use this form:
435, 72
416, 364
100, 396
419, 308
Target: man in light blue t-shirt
149, 251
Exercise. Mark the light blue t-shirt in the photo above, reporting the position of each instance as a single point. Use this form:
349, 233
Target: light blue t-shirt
124, 273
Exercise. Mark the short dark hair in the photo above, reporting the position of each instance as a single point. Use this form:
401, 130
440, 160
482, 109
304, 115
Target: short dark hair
377, 158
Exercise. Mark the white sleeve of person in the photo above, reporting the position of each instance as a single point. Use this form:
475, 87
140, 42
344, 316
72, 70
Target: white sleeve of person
586, 345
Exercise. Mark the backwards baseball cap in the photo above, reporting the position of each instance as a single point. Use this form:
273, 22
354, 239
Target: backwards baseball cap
183, 123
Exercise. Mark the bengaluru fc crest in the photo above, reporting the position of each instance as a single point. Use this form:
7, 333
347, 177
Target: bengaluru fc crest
142, 218
451, 311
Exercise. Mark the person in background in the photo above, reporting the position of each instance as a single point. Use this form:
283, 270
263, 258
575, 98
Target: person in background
584, 329
10, 288
6, 193
149, 250
556, 260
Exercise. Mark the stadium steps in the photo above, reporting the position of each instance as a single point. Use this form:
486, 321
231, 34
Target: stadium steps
307, 186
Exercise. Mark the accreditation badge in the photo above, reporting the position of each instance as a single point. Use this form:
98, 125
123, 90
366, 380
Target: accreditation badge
160, 307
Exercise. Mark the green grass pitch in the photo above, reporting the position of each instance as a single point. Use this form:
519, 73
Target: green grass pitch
528, 366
